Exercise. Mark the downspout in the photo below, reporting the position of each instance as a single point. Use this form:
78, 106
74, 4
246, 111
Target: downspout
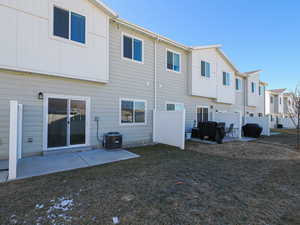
155, 73
155, 89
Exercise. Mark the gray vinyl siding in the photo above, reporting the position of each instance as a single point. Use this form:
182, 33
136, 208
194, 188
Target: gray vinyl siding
172, 86
127, 80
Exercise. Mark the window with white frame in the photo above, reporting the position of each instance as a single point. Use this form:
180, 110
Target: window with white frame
69, 25
173, 61
226, 79
253, 87
132, 48
172, 106
205, 69
238, 84
133, 111
271, 99
202, 114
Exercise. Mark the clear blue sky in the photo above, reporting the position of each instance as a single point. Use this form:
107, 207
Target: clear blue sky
255, 34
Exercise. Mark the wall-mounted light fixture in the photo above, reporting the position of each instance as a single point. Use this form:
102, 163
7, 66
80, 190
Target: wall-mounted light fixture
41, 96
211, 106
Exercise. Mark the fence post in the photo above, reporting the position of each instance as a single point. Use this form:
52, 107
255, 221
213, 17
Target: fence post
20, 130
183, 130
240, 125
13, 140
154, 126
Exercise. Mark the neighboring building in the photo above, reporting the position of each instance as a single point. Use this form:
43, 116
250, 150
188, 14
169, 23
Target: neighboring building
250, 94
80, 71
275, 103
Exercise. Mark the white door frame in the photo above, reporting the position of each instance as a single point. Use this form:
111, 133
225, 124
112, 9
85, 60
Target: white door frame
45, 120
201, 106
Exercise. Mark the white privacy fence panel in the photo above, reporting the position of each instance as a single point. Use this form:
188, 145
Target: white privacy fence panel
261, 121
230, 118
15, 138
290, 123
169, 128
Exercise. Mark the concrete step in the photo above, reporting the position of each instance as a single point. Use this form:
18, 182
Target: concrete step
67, 150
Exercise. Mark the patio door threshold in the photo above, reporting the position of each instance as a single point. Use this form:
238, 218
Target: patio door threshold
67, 150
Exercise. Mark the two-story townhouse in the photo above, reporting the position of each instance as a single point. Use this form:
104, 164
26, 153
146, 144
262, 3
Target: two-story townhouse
275, 103
80, 71
63, 60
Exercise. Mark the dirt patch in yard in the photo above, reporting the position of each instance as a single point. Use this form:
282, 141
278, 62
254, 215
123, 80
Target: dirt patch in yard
235, 183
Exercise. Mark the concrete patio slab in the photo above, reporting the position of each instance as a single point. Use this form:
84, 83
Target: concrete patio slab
93, 158
42, 165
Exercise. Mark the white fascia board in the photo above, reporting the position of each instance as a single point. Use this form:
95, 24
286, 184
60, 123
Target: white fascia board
105, 8
206, 47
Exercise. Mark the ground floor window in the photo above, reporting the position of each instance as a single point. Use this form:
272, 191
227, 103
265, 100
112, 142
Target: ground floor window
202, 114
133, 111
260, 115
172, 106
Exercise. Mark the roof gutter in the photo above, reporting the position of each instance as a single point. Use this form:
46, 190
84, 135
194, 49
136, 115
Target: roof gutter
151, 34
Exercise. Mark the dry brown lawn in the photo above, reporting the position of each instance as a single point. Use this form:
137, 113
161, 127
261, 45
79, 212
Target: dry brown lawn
255, 183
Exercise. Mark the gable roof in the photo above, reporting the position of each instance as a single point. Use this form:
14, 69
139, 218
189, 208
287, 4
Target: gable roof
278, 91
253, 72
219, 50
105, 8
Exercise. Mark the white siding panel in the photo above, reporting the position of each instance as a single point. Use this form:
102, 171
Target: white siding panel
39, 51
8, 36
38, 8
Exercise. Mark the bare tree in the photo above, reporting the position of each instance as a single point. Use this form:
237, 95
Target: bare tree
294, 112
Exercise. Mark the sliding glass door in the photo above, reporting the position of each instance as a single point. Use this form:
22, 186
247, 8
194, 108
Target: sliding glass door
66, 122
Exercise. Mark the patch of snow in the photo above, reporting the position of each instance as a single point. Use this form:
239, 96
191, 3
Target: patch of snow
13, 219
116, 220
39, 206
59, 209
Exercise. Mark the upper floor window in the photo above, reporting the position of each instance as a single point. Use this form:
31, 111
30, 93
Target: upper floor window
170, 106
69, 25
132, 48
226, 79
271, 99
173, 61
133, 111
253, 87
260, 90
238, 84
205, 69
280, 100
